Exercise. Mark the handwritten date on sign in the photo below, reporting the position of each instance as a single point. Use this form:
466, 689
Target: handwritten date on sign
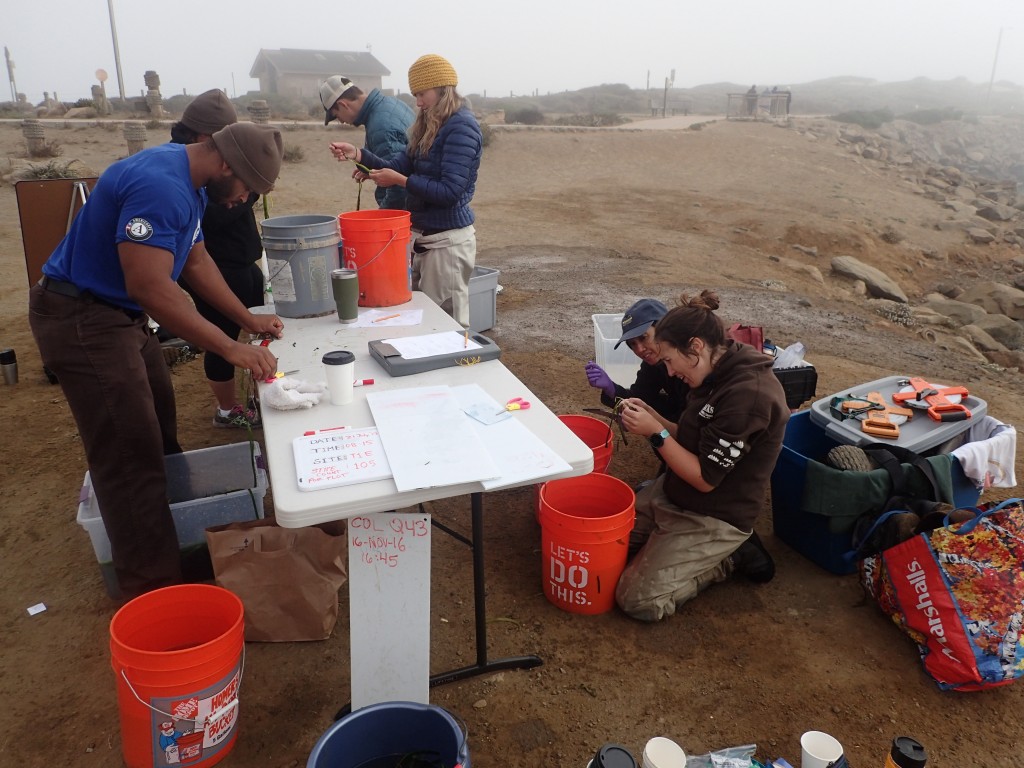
384, 540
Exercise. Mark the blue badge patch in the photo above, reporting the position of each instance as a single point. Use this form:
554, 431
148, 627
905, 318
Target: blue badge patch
139, 230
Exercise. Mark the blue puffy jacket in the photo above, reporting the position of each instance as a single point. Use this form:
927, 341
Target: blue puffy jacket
387, 122
441, 183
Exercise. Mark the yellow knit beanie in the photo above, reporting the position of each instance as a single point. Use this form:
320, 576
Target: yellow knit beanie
431, 71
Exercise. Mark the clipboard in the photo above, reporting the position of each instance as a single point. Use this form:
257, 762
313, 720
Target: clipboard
396, 365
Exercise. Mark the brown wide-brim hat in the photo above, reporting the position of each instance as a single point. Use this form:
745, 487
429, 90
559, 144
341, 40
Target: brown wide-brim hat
209, 112
253, 152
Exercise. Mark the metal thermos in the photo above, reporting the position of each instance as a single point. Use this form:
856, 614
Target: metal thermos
906, 753
9, 362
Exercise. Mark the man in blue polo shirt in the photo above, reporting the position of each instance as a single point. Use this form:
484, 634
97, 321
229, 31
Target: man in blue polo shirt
140, 231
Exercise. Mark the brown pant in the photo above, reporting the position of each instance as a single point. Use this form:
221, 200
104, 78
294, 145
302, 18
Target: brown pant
442, 265
682, 553
119, 390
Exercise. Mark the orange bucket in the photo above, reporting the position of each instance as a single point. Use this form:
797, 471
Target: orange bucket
585, 523
376, 242
598, 437
177, 654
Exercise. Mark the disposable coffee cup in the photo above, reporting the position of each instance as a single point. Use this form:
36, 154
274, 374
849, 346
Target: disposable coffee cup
612, 756
661, 752
9, 363
340, 366
345, 285
819, 750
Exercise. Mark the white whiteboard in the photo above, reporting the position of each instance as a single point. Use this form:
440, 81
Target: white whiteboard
333, 457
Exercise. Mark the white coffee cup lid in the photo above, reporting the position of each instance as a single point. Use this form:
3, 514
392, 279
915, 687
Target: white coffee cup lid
662, 752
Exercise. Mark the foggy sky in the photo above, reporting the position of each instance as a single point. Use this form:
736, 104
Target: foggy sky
521, 47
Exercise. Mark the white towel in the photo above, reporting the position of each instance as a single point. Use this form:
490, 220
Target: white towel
989, 456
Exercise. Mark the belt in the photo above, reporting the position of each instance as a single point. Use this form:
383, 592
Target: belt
74, 292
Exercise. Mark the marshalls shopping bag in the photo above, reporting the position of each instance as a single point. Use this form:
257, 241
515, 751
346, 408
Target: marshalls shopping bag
287, 578
958, 592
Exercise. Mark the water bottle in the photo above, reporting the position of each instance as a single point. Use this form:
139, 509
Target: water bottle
906, 753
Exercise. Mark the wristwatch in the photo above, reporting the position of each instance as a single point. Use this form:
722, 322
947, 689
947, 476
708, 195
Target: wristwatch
658, 439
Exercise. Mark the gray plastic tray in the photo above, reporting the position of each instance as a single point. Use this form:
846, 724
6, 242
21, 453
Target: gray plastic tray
918, 434
397, 365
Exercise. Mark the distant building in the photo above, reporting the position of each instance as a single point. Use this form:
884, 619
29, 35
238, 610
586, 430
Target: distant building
299, 73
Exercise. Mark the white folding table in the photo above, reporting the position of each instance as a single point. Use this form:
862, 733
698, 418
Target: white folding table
301, 349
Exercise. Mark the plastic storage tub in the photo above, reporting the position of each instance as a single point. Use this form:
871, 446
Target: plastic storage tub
918, 434
813, 535
206, 487
483, 299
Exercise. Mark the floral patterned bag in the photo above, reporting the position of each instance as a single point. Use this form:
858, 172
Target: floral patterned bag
958, 592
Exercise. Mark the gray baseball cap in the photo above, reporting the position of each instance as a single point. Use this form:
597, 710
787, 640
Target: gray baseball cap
330, 92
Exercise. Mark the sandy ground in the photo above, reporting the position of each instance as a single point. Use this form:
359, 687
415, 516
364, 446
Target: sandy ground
577, 223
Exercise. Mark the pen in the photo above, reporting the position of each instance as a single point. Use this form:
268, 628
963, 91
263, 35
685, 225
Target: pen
321, 431
465, 339
388, 317
362, 382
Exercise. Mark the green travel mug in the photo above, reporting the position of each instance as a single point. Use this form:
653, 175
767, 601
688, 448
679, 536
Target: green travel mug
345, 284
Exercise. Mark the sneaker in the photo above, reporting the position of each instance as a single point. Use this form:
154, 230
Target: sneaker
238, 418
753, 561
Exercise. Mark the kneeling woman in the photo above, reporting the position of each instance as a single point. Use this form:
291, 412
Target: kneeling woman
694, 524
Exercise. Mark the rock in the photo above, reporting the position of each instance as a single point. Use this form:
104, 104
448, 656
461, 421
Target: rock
981, 339
809, 250
996, 298
980, 236
1004, 330
960, 313
877, 283
996, 212
80, 112
960, 346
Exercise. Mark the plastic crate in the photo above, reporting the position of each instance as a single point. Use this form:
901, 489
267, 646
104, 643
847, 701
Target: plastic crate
607, 330
798, 383
483, 299
810, 534
206, 487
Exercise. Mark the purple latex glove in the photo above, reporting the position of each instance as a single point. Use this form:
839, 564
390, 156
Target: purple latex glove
599, 379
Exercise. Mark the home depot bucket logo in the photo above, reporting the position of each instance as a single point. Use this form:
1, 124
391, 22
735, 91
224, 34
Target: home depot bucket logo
202, 723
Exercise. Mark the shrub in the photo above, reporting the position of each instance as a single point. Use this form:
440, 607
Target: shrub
602, 120
486, 134
85, 103
873, 119
293, 154
933, 116
524, 116
51, 170
154, 124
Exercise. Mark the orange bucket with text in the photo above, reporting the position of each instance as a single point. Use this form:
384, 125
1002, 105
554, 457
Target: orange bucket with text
585, 523
376, 244
177, 653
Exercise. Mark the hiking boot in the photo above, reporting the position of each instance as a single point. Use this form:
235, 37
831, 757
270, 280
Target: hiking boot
238, 418
850, 457
753, 561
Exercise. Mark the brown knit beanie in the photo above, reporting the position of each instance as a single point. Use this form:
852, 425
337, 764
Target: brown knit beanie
253, 152
431, 71
209, 112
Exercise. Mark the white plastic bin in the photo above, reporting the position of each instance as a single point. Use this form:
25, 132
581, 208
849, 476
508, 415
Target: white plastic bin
621, 364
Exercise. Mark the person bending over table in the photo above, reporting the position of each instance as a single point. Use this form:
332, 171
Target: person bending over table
694, 524
439, 172
139, 232
654, 385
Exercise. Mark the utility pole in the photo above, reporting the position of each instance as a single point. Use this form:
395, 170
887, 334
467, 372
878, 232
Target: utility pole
669, 81
10, 76
117, 52
995, 61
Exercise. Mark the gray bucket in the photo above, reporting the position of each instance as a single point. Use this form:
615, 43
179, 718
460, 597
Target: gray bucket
301, 252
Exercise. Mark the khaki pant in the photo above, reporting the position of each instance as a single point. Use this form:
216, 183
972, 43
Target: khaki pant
442, 264
682, 553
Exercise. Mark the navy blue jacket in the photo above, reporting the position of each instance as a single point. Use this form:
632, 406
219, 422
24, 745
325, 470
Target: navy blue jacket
387, 122
441, 183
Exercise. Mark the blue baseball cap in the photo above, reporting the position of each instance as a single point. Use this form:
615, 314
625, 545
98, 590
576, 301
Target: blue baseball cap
639, 318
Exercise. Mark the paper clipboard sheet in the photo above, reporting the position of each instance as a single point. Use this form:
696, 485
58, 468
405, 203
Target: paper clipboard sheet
520, 454
339, 457
429, 441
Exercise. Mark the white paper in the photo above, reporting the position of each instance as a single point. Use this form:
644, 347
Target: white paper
428, 439
383, 318
339, 457
431, 344
519, 453
37, 608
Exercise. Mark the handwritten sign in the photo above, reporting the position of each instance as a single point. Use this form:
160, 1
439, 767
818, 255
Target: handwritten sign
343, 457
389, 592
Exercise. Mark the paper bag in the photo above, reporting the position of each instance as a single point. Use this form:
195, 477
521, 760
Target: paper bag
287, 578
